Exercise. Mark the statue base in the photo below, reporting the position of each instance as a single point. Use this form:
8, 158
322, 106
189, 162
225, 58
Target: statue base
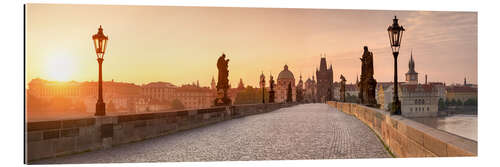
271, 96
222, 101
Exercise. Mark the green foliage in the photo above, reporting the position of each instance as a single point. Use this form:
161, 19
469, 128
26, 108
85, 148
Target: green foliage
351, 99
251, 95
389, 107
289, 97
453, 102
441, 104
176, 104
471, 102
459, 102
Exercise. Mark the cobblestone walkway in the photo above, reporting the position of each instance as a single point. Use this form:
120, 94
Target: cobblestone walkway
309, 131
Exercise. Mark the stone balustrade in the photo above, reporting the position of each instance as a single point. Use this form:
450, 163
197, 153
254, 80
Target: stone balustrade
46, 139
408, 138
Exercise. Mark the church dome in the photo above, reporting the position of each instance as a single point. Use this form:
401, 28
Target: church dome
285, 74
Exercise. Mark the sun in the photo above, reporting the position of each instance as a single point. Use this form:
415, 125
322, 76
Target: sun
61, 67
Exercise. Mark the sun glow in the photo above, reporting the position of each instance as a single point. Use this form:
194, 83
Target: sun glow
60, 67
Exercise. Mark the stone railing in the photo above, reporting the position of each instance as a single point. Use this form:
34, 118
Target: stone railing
408, 138
46, 139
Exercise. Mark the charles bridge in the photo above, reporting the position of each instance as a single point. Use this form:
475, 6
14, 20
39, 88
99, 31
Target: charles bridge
278, 131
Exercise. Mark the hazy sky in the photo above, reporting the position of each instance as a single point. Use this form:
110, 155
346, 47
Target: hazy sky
181, 44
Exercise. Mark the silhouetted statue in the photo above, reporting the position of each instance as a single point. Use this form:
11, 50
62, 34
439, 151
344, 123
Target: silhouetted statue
223, 82
299, 95
368, 83
271, 92
342, 88
289, 93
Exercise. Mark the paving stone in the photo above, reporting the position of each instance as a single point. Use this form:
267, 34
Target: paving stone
308, 131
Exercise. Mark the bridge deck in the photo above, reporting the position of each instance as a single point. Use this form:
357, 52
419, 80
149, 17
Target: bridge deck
308, 131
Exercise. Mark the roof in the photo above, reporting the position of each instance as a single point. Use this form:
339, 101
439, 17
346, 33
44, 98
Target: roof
417, 87
461, 89
159, 85
351, 87
285, 74
384, 85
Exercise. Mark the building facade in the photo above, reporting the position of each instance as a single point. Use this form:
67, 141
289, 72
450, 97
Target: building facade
418, 100
119, 95
285, 77
161, 91
462, 93
192, 96
310, 90
384, 94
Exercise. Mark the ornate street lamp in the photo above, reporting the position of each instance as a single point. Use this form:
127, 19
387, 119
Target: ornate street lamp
100, 41
395, 32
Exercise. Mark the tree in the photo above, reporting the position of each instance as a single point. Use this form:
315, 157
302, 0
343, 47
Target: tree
176, 104
441, 104
471, 102
351, 98
389, 107
459, 102
453, 102
250, 95
289, 93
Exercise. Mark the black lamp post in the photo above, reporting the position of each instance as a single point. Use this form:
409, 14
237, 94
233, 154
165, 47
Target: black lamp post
395, 32
263, 85
100, 41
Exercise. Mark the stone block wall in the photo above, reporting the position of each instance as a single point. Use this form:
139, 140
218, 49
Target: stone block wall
408, 138
46, 139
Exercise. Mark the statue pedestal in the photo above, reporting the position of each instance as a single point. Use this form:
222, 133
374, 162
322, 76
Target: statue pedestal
271, 96
222, 101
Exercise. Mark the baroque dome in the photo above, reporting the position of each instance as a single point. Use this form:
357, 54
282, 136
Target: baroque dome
285, 74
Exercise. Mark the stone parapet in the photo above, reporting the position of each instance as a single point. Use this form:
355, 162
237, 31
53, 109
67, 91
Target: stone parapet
408, 138
46, 139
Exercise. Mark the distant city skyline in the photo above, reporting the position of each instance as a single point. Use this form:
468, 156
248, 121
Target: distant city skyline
181, 45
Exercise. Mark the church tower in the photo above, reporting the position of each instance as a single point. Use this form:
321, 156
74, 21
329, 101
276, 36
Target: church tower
411, 75
324, 78
213, 83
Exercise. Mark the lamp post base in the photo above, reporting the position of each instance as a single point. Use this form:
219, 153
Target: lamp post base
100, 109
396, 108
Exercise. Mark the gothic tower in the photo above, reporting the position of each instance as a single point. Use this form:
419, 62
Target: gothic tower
212, 85
324, 78
411, 75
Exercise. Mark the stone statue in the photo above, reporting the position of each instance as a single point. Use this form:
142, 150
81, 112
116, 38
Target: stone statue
271, 92
299, 92
223, 82
342, 88
368, 83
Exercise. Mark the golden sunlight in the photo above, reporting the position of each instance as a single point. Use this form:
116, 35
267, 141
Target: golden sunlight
60, 67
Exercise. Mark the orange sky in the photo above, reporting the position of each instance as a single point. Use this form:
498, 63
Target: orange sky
181, 44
